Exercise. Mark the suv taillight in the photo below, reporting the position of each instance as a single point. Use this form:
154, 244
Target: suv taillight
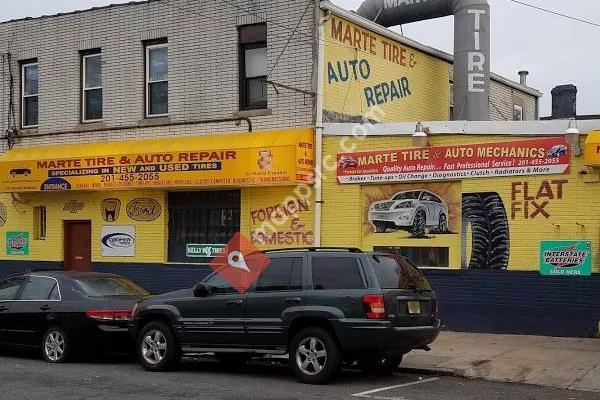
109, 315
374, 306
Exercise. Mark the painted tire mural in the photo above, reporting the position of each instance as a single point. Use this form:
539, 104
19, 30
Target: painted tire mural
486, 215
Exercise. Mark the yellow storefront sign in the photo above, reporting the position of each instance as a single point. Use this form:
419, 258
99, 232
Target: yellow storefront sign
368, 74
592, 149
224, 160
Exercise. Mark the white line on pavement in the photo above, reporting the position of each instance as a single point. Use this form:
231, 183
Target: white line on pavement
369, 392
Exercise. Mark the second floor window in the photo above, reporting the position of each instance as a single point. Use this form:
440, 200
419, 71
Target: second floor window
517, 113
92, 87
253, 66
157, 80
29, 90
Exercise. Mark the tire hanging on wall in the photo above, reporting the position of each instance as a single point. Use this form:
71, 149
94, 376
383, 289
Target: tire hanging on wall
486, 215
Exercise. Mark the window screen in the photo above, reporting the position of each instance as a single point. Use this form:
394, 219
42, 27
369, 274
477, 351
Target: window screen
336, 273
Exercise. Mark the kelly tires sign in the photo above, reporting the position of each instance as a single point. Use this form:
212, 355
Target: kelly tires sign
118, 241
526, 157
204, 250
566, 258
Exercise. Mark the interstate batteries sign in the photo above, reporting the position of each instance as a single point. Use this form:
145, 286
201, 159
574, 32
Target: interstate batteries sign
566, 258
257, 159
528, 157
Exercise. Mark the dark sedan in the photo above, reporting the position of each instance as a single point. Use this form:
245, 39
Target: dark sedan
67, 313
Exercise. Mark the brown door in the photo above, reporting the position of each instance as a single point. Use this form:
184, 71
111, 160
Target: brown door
78, 245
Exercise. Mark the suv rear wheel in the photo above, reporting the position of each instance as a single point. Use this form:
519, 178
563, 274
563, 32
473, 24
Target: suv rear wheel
157, 347
314, 356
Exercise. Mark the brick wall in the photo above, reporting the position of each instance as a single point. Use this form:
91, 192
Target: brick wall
203, 65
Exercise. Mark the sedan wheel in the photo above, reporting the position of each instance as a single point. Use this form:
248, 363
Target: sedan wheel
56, 345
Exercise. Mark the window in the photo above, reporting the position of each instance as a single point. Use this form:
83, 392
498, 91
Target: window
201, 218
29, 90
9, 288
427, 197
219, 285
91, 99
398, 273
423, 257
281, 274
253, 66
39, 229
336, 273
40, 288
110, 287
517, 112
451, 101
157, 80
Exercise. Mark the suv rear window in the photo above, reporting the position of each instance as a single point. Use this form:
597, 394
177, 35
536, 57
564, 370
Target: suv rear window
398, 273
336, 273
110, 286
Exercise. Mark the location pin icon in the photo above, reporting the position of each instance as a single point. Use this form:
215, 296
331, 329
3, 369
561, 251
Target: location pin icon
236, 259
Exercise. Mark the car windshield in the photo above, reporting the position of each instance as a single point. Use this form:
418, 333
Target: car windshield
398, 273
407, 196
110, 287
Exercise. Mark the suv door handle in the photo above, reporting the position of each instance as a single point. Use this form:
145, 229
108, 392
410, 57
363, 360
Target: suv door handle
235, 302
293, 300
45, 307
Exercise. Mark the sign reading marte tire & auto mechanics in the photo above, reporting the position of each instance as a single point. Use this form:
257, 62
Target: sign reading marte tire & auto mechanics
526, 157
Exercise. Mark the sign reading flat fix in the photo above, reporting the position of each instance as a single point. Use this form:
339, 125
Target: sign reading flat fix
268, 159
525, 157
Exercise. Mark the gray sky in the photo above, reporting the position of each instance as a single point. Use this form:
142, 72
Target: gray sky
555, 50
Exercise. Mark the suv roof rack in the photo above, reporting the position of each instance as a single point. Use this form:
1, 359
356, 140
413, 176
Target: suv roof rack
326, 248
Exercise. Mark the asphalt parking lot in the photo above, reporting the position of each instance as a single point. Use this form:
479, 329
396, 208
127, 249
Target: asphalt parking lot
29, 378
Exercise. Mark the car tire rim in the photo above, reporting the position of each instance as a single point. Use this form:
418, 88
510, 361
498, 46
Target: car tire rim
311, 356
154, 347
54, 346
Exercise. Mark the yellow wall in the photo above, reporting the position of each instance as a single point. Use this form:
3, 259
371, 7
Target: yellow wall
575, 216
151, 237
427, 77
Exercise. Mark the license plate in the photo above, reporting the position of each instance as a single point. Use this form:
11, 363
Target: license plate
414, 307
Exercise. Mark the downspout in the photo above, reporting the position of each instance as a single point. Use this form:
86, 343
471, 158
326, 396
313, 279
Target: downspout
319, 124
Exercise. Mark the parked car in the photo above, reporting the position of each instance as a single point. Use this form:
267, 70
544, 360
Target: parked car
347, 162
413, 210
67, 313
320, 306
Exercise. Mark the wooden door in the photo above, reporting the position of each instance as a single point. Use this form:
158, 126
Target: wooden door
78, 245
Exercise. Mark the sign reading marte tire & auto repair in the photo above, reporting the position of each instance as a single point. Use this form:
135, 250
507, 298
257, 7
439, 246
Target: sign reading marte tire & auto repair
118, 241
526, 157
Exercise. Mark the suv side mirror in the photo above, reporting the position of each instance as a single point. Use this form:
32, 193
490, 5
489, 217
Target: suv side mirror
202, 290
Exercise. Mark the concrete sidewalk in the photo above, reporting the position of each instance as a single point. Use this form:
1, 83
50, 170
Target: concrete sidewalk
565, 363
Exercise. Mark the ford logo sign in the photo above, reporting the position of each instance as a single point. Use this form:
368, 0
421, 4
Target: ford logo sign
118, 240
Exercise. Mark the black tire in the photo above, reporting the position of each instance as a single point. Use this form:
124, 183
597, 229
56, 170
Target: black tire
56, 346
169, 351
380, 227
443, 224
486, 214
380, 365
419, 224
330, 363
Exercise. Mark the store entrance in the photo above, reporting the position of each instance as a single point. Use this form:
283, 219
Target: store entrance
78, 245
207, 218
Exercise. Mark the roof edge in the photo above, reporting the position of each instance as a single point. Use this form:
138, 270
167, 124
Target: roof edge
357, 19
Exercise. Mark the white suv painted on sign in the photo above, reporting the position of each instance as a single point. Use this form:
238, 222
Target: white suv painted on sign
413, 210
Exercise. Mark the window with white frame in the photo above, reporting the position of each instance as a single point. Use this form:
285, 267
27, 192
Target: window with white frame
157, 79
30, 93
253, 66
91, 99
517, 112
